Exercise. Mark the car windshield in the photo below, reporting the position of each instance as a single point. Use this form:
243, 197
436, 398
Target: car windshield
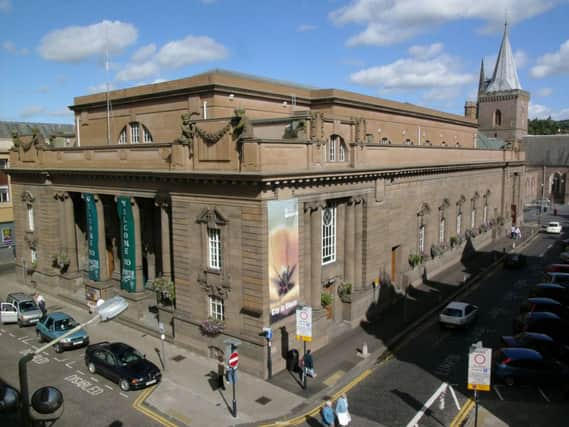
130, 356
554, 224
452, 312
65, 324
26, 306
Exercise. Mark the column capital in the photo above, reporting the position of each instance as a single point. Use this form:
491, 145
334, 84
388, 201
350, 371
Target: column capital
356, 199
162, 200
314, 205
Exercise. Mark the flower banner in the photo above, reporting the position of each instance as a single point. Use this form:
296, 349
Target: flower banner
92, 237
128, 254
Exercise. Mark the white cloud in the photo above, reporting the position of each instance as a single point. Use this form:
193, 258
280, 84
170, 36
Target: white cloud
5, 5
424, 52
411, 73
190, 50
544, 91
73, 44
552, 63
144, 53
10, 47
138, 71
441, 94
538, 111
32, 110
392, 21
101, 87
306, 27
158, 81
521, 58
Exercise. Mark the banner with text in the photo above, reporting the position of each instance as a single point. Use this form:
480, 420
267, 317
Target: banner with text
283, 257
92, 236
128, 254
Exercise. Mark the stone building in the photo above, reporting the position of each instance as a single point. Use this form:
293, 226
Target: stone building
254, 197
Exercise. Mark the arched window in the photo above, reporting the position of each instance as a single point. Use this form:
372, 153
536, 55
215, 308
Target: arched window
442, 227
421, 239
336, 149
384, 141
497, 118
131, 134
458, 221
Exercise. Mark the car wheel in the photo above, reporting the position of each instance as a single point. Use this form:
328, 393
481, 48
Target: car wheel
20, 324
124, 385
91, 367
509, 381
40, 338
58, 348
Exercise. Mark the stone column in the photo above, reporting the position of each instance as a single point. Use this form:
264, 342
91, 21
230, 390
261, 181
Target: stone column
349, 242
358, 213
70, 239
138, 245
316, 254
103, 261
164, 205
307, 244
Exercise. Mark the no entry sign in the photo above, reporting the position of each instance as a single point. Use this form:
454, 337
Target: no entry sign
234, 360
479, 369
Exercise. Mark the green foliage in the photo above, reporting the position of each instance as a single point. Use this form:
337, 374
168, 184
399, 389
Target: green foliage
325, 299
547, 126
345, 292
415, 259
165, 287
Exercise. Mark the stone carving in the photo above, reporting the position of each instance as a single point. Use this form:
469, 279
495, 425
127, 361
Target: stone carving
218, 286
36, 140
28, 198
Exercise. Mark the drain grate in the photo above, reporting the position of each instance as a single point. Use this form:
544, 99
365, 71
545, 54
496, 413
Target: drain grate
263, 400
178, 358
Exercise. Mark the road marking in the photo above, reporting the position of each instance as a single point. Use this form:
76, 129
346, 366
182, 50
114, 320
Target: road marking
138, 405
94, 379
544, 395
45, 352
84, 385
334, 378
70, 363
11, 334
25, 337
59, 360
462, 414
79, 372
109, 387
498, 392
3, 330
124, 394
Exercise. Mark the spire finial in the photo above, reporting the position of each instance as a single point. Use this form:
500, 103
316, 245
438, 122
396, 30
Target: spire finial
506, 20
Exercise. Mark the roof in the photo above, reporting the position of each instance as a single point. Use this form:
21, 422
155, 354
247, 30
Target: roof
485, 142
505, 75
25, 128
542, 315
548, 150
457, 304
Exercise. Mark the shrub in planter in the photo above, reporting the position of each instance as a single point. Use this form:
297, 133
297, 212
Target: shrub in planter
415, 259
61, 261
345, 292
32, 267
165, 289
453, 241
325, 299
212, 327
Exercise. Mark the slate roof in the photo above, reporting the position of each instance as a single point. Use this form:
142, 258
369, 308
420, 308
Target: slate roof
46, 129
505, 75
486, 143
548, 150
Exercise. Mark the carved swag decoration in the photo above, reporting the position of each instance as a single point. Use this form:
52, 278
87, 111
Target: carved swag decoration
36, 140
190, 129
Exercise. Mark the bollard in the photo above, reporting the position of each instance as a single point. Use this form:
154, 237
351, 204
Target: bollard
364, 353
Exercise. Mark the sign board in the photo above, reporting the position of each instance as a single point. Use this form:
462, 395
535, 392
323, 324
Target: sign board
304, 323
479, 368
234, 360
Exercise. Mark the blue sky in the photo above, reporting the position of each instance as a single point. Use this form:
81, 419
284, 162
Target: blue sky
423, 52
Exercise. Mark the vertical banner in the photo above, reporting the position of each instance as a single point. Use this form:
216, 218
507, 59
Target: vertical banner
128, 256
92, 236
283, 257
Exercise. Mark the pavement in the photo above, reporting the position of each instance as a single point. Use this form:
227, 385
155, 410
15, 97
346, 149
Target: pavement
188, 395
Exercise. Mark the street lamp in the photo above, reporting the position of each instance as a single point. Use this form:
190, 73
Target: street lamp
106, 311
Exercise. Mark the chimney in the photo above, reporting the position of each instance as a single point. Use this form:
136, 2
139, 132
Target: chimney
470, 110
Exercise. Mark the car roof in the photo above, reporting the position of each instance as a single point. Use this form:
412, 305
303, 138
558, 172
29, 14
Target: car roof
521, 353
542, 315
550, 285
20, 296
59, 315
554, 223
543, 300
537, 336
457, 304
557, 273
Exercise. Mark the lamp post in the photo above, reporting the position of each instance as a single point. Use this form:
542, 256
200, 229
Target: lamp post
106, 311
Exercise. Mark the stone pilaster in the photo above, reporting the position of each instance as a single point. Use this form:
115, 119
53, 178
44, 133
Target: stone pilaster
164, 205
349, 242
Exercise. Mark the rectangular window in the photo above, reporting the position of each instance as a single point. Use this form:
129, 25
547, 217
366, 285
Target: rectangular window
216, 308
473, 218
4, 195
3, 163
332, 150
214, 248
341, 152
458, 223
485, 214
33, 255
329, 234
31, 224
134, 133
442, 231
421, 239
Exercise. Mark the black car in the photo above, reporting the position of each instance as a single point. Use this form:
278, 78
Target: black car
547, 346
514, 260
545, 304
122, 364
550, 290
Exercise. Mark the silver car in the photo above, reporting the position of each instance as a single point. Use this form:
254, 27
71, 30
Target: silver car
28, 313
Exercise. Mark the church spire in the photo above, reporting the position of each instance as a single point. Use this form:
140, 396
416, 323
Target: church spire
482, 81
505, 75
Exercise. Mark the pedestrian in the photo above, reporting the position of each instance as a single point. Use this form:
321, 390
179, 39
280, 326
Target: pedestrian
513, 231
342, 412
220, 373
40, 301
308, 363
328, 414
518, 233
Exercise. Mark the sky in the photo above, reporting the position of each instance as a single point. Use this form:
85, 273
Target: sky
424, 52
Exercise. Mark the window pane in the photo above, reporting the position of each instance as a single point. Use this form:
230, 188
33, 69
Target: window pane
134, 133
421, 239
31, 225
329, 234
342, 152
442, 231
214, 249
122, 136
332, 149
146, 135
216, 308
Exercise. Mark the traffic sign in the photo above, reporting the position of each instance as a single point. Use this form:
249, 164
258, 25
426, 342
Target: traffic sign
304, 323
479, 368
234, 360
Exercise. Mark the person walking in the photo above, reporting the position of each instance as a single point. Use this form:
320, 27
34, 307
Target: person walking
328, 414
220, 373
342, 412
40, 301
309, 364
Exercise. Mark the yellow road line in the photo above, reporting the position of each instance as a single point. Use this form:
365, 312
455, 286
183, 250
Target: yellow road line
462, 414
146, 411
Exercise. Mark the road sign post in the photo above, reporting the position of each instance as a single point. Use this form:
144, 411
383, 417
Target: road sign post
479, 372
233, 363
304, 332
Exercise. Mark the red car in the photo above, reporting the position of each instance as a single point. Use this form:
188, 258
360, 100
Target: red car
556, 268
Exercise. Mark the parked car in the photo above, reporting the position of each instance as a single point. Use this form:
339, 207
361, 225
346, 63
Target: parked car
56, 324
556, 268
554, 227
122, 364
544, 304
543, 322
524, 365
550, 290
547, 346
8, 313
458, 313
28, 313
556, 277
564, 256
515, 260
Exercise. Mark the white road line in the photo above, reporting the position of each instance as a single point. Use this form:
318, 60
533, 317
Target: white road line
124, 395
498, 392
109, 387
59, 360
3, 330
25, 337
11, 334
46, 353
544, 395
79, 372
93, 379
67, 364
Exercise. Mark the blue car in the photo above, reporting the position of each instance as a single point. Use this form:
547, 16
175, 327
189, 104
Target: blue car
523, 365
56, 324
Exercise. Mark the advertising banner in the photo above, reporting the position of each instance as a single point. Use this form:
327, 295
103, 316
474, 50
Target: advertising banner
283, 257
128, 254
92, 237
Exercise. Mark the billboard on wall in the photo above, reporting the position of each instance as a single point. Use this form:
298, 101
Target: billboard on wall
92, 237
128, 254
283, 257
